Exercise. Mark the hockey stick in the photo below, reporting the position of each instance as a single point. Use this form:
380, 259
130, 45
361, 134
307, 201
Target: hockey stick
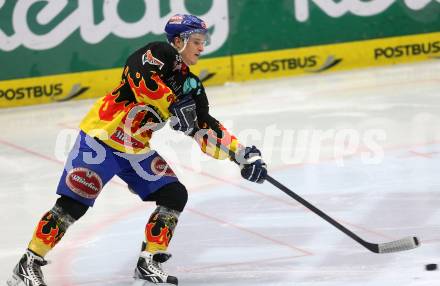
406, 243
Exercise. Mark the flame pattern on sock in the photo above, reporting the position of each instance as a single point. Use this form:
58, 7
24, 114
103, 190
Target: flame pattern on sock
49, 231
160, 228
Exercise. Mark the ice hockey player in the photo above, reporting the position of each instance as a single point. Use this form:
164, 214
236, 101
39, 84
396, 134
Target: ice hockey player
156, 86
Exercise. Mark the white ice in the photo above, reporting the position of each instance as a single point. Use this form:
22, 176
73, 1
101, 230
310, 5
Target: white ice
363, 146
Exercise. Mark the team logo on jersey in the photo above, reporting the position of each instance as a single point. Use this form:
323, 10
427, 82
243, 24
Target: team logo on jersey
161, 168
84, 182
149, 58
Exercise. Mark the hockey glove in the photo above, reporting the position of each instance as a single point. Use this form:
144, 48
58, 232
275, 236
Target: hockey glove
184, 115
252, 165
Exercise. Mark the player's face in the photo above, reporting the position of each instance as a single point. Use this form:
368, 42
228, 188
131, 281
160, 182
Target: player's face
194, 47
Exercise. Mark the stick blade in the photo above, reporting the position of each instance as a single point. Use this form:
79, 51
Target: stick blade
399, 245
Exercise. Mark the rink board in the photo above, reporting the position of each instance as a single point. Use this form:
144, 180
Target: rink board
217, 71
343, 56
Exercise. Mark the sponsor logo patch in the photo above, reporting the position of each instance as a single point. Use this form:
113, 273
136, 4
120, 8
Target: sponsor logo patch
84, 182
120, 137
160, 167
177, 19
149, 58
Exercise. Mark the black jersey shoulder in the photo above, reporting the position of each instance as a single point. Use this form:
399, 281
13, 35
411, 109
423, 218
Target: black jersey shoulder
158, 57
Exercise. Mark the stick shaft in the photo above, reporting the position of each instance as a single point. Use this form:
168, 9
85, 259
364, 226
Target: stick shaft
370, 246
320, 213
394, 246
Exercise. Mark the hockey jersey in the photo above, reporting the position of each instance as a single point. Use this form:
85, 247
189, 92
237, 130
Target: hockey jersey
152, 79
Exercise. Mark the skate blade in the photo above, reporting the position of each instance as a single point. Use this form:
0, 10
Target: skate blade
15, 281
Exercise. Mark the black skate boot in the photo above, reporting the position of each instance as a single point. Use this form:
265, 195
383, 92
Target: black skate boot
28, 271
149, 269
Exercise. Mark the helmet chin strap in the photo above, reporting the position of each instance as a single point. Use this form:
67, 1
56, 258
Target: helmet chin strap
185, 42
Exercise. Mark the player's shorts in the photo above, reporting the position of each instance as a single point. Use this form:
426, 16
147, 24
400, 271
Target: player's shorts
91, 164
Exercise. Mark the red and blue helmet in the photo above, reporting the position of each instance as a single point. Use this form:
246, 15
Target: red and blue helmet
183, 25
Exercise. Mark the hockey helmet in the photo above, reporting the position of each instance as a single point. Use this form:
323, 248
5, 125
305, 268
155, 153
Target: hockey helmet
183, 25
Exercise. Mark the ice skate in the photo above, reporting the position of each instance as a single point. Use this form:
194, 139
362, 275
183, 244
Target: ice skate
28, 271
149, 270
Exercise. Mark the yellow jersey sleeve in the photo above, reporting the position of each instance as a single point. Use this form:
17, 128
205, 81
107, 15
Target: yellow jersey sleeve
218, 148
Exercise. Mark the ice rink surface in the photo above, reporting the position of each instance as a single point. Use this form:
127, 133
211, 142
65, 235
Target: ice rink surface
363, 146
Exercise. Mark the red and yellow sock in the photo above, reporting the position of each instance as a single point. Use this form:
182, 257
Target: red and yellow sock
160, 228
49, 231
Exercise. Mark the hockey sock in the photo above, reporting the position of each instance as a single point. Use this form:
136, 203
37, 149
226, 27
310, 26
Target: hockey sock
160, 229
50, 230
